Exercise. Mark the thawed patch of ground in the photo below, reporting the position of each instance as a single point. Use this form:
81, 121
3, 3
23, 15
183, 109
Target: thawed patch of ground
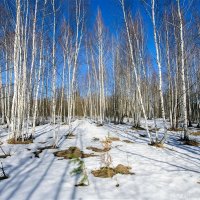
72, 152
109, 172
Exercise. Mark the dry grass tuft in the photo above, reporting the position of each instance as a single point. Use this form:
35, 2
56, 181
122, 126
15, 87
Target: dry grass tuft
122, 169
175, 129
127, 141
95, 149
13, 141
104, 172
113, 139
191, 143
108, 172
106, 143
156, 144
72, 152
71, 136
195, 133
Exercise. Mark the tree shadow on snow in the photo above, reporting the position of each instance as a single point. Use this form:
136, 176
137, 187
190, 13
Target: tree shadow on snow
41, 179
159, 161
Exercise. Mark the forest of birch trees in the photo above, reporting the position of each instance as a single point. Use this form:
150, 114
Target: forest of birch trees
55, 67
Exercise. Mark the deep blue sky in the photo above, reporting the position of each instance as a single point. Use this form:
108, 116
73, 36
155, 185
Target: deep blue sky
113, 18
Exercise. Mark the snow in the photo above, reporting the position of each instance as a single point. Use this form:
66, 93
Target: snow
160, 173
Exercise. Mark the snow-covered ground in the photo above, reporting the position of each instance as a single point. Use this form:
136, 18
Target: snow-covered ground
172, 172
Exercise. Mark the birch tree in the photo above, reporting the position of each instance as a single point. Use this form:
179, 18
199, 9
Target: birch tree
158, 60
182, 73
135, 71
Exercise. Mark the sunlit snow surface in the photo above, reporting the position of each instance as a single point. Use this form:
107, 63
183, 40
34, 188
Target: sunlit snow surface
160, 173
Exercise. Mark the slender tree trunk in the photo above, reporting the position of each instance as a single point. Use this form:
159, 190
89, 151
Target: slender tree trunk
135, 72
182, 73
159, 72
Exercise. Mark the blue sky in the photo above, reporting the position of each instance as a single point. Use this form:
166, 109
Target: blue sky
113, 18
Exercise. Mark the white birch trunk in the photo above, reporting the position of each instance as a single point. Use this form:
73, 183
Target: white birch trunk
159, 71
182, 71
135, 71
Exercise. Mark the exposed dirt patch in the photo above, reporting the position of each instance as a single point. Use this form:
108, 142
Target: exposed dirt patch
156, 144
70, 136
41, 142
143, 135
98, 125
195, 133
72, 152
3, 177
41, 149
80, 184
95, 149
95, 139
191, 143
175, 129
108, 172
13, 141
153, 130
4, 156
46, 147
138, 128
127, 141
